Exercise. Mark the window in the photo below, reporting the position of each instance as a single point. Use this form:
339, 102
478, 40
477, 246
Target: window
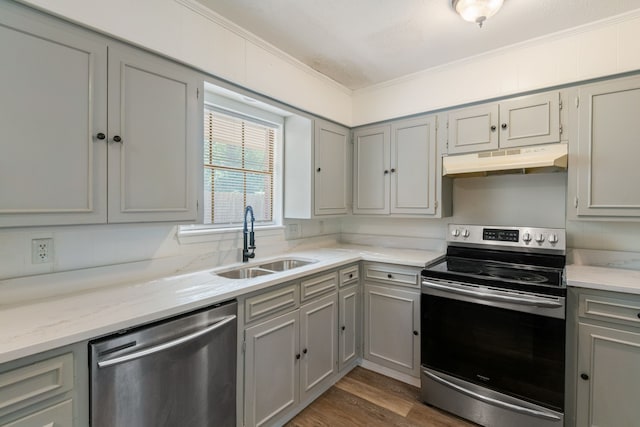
239, 168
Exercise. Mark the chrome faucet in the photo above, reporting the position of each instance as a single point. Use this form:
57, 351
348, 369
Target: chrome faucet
251, 244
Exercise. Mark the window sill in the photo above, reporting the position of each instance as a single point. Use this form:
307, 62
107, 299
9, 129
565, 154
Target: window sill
191, 234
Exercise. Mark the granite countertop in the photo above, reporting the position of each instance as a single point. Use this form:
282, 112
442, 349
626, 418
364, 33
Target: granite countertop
35, 326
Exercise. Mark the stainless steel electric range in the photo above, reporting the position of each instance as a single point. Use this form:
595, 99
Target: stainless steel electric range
493, 326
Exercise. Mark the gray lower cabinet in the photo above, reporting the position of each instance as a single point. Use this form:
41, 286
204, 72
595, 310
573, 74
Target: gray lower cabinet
608, 360
349, 325
603, 160
392, 317
94, 131
289, 358
47, 389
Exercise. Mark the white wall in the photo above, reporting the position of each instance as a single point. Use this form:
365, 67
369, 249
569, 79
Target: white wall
605, 48
185, 31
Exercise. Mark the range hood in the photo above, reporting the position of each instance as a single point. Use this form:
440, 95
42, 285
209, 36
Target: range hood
540, 158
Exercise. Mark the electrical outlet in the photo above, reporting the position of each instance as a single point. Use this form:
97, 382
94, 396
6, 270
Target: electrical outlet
41, 251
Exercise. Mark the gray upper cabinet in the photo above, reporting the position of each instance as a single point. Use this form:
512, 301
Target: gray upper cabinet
53, 104
60, 163
517, 122
396, 168
604, 160
152, 129
317, 171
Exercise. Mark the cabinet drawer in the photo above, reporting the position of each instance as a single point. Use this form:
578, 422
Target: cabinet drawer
34, 383
60, 415
319, 285
349, 275
271, 302
392, 274
610, 309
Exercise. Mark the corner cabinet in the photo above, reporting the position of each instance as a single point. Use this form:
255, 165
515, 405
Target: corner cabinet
317, 169
603, 160
75, 152
517, 122
607, 374
396, 169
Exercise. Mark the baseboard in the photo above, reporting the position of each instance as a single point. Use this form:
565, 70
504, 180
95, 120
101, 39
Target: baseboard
390, 373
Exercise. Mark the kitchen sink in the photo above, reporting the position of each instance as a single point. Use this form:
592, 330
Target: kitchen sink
285, 264
264, 269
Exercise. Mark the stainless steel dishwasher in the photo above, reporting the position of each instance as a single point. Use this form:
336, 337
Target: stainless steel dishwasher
178, 372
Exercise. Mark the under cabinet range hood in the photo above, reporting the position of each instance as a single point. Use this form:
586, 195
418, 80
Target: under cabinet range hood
540, 158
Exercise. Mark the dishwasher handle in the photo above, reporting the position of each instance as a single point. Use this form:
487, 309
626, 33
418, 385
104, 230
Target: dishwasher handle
166, 345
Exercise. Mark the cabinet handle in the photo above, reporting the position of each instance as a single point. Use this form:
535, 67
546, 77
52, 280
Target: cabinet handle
318, 170
415, 333
304, 351
298, 356
389, 276
503, 126
584, 376
117, 138
101, 136
343, 328
493, 128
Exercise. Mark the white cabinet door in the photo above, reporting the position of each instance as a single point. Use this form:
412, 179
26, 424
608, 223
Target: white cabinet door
152, 138
349, 325
606, 164
318, 344
530, 120
372, 164
413, 166
331, 145
473, 129
271, 369
608, 377
52, 108
391, 328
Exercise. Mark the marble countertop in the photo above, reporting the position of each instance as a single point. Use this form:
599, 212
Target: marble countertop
603, 278
36, 326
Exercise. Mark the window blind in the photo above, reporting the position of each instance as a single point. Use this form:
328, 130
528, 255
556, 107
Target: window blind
238, 168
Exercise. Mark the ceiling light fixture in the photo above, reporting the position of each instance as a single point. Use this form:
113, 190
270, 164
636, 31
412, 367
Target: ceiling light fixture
476, 11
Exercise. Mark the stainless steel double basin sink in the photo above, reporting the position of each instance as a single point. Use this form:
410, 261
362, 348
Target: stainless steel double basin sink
264, 269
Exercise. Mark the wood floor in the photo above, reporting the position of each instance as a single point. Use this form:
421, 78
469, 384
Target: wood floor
365, 398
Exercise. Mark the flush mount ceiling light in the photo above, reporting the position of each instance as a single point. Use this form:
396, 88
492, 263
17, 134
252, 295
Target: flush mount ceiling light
476, 11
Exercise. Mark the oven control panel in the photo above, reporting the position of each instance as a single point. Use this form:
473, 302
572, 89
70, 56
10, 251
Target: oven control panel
516, 237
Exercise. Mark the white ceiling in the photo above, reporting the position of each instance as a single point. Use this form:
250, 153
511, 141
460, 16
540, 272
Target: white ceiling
363, 42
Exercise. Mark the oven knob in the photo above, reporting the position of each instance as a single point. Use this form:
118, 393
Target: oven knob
465, 233
539, 238
526, 237
455, 232
553, 239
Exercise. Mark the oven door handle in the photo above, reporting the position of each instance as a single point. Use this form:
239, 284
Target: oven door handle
492, 401
516, 299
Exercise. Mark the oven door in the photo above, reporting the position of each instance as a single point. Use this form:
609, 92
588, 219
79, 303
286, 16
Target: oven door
508, 342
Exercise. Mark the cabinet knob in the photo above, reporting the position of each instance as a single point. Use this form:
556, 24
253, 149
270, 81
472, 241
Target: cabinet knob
503, 126
493, 128
638, 315
415, 333
393, 170
389, 276
318, 170
304, 351
101, 136
386, 171
351, 277
298, 356
584, 376
343, 328
117, 138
